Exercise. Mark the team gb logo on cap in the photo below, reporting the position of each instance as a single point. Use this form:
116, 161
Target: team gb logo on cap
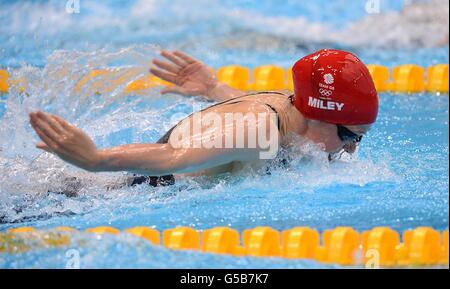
328, 78
324, 101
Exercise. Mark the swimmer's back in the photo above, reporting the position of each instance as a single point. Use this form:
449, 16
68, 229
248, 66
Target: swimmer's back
258, 102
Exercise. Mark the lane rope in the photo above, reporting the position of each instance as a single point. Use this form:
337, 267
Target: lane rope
422, 246
407, 78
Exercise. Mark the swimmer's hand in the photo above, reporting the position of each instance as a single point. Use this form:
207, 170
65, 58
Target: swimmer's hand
65, 140
190, 76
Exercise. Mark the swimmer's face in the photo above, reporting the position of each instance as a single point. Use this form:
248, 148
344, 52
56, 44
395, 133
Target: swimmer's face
336, 139
359, 130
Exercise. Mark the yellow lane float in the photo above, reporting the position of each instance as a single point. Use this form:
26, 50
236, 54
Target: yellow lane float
103, 230
268, 77
4, 78
340, 246
380, 76
262, 241
408, 78
300, 242
437, 78
181, 238
421, 246
149, 234
235, 76
221, 240
380, 242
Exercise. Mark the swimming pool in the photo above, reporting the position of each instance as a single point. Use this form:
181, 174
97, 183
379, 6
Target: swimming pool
399, 178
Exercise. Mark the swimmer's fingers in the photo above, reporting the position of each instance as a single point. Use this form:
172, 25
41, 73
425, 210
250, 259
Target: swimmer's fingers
52, 122
63, 123
48, 141
188, 59
43, 146
42, 127
170, 56
166, 66
70, 131
52, 140
74, 146
164, 75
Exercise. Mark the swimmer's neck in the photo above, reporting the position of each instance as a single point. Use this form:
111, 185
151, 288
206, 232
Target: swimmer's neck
316, 131
295, 122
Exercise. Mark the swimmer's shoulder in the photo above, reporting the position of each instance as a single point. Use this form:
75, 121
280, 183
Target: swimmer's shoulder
267, 97
270, 93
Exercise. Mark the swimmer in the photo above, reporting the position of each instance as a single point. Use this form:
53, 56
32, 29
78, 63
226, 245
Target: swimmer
334, 104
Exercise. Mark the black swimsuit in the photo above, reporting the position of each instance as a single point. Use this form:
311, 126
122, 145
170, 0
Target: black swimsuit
168, 180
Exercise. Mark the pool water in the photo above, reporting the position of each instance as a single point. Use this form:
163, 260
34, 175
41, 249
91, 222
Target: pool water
398, 178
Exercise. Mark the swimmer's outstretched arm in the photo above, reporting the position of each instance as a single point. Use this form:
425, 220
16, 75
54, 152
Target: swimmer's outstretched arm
74, 146
191, 77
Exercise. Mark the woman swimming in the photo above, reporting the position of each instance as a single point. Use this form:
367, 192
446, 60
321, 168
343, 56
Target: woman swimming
334, 104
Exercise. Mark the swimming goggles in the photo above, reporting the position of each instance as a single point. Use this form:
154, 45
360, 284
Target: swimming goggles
347, 136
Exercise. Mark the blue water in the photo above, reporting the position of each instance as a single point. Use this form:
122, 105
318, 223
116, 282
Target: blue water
399, 178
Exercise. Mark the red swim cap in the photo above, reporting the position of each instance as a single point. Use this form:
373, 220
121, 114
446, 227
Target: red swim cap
334, 86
